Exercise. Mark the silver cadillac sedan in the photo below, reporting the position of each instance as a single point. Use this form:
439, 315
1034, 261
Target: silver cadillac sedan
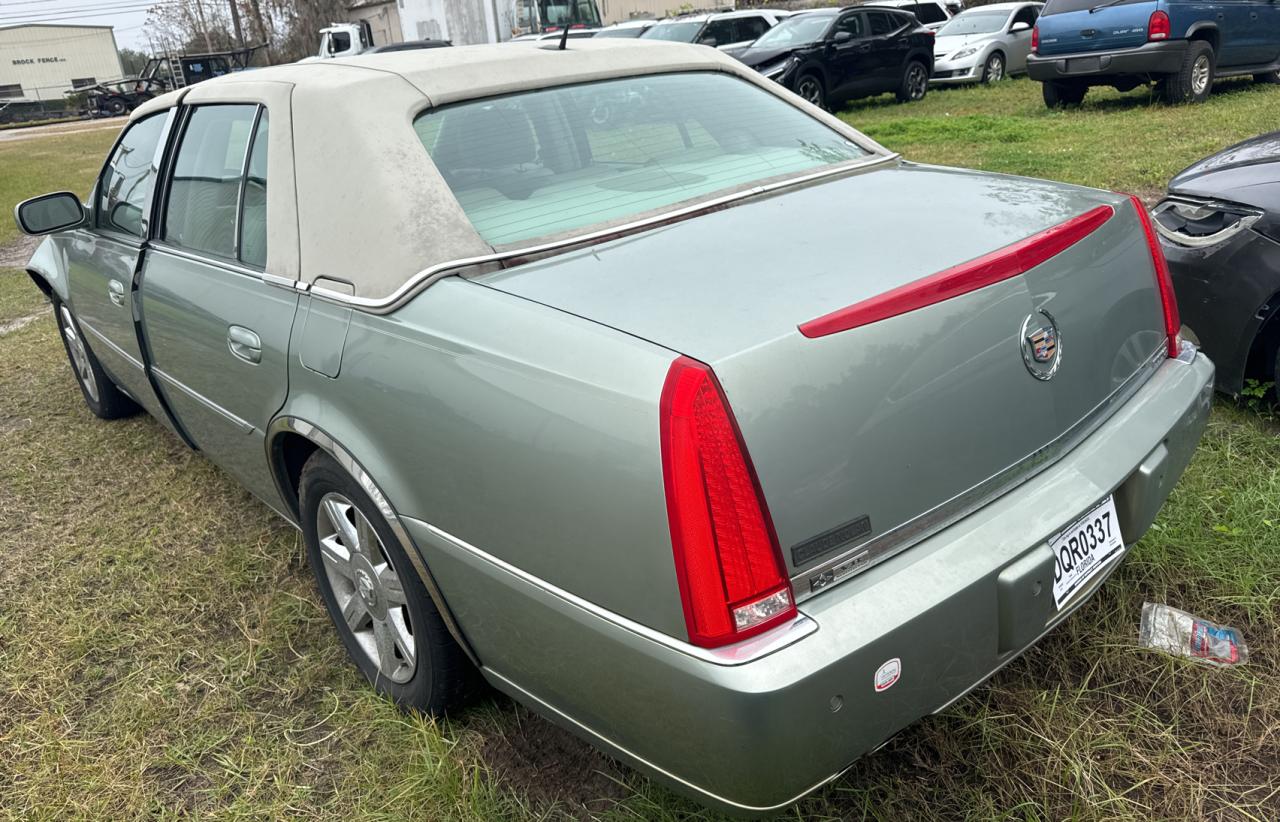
666, 423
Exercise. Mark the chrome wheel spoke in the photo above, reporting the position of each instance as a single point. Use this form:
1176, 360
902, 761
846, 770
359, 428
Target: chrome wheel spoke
354, 613
388, 638
337, 559
368, 541
340, 522
389, 586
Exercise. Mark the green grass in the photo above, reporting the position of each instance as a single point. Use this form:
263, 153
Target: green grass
163, 654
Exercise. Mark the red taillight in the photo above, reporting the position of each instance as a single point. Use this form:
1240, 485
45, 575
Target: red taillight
727, 559
986, 270
1168, 300
1035, 39
1159, 28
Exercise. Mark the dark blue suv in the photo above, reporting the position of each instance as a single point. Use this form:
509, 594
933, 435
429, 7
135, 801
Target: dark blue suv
1180, 45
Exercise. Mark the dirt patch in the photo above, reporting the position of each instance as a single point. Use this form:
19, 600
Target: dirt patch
547, 766
22, 322
17, 253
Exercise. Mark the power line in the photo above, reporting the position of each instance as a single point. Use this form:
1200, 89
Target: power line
14, 21
102, 9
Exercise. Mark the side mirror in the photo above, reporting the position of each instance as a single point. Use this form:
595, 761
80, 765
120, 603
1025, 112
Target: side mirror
707, 41
1020, 26
841, 37
49, 213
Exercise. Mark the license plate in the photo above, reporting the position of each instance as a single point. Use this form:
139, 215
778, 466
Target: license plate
1084, 550
1080, 64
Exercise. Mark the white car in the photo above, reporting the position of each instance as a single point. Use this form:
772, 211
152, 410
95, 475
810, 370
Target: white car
984, 44
726, 30
932, 14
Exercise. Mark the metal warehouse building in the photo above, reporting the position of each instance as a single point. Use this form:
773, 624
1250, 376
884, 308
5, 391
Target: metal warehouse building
41, 61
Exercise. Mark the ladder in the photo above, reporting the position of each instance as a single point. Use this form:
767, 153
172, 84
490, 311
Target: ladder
175, 69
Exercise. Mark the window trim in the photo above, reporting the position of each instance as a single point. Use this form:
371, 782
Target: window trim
162, 205
159, 164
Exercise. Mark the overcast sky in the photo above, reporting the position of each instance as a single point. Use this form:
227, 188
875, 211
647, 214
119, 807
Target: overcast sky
125, 16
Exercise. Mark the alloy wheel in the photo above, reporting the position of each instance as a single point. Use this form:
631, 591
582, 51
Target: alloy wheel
366, 587
810, 91
79, 354
995, 68
1200, 75
917, 81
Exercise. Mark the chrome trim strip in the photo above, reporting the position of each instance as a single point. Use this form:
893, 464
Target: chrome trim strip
609, 744
349, 464
429, 276
896, 540
246, 426
132, 360
749, 650
226, 265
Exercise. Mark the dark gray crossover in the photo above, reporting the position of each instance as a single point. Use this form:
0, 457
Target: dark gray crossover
665, 421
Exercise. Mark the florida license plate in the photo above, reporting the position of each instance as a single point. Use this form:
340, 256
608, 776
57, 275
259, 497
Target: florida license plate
1084, 550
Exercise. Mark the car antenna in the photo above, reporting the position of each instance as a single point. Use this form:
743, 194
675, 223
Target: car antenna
564, 38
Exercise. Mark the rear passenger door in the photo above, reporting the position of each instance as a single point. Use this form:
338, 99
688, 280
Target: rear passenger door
1264, 22
888, 48
1239, 38
216, 318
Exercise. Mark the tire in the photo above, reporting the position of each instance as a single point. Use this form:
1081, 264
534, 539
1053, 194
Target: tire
915, 82
116, 106
811, 88
399, 640
104, 399
1194, 81
994, 70
1271, 77
1058, 94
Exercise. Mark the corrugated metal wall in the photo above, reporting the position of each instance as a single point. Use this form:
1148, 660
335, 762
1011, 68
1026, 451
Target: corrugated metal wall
43, 59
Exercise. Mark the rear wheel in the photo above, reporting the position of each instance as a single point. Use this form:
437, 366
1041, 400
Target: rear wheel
1060, 94
384, 615
1194, 80
104, 399
811, 89
116, 106
993, 71
915, 83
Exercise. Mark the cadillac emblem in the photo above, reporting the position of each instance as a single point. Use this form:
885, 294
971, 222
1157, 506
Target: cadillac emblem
1041, 345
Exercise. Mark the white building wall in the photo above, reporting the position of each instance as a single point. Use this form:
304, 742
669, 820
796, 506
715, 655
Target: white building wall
44, 59
464, 22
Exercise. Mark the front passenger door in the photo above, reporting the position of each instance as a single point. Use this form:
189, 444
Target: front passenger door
850, 68
103, 257
217, 321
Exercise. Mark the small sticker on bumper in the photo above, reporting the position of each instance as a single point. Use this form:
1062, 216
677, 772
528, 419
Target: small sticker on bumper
888, 674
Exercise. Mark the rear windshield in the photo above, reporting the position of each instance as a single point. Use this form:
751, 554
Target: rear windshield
545, 162
1064, 6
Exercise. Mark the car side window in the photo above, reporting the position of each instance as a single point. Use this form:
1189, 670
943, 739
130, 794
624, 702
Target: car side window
929, 13
253, 205
1027, 15
128, 178
717, 33
749, 29
204, 193
881, 22
852, 23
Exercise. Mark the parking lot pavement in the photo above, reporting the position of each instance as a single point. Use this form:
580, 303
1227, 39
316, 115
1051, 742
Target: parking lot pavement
75, 127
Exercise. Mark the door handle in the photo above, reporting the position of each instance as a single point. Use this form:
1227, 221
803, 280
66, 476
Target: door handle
115, 291
244, 344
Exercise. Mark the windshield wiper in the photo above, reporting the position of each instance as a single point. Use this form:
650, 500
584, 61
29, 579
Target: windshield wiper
1104, 5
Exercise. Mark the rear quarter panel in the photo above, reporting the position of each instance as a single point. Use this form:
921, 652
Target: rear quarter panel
522, 430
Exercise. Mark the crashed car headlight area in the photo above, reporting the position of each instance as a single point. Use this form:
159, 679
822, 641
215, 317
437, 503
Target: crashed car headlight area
1202, 223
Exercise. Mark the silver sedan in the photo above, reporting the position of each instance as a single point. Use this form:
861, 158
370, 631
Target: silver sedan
984, 44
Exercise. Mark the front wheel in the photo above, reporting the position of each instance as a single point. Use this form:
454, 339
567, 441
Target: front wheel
104, 399
391, 628
1194, 80
1058, 94
810, 88
993, 71
915, 83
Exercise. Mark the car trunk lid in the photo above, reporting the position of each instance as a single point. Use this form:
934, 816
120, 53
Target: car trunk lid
862, 437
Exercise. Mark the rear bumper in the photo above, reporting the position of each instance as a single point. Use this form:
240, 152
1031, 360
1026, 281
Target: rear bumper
753, 735
1099, 68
